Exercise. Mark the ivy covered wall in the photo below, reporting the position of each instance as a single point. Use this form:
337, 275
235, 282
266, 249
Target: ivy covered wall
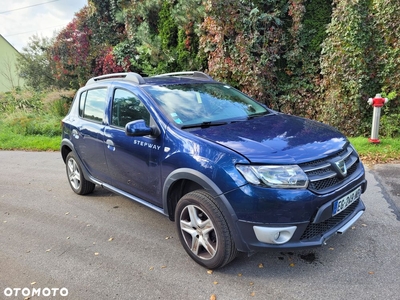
321, 59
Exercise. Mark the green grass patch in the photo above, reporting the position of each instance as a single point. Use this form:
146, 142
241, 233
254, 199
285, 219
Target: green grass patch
26, 131
388, 150
29, 142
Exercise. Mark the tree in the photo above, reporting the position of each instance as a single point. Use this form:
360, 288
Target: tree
35, 64
71, 52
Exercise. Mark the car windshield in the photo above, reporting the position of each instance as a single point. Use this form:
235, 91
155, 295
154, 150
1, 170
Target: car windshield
204, 103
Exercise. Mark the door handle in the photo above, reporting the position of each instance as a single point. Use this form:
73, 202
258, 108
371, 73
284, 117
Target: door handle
75, 133
110, 145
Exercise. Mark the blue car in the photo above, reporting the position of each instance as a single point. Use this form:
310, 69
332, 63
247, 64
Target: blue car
233, 174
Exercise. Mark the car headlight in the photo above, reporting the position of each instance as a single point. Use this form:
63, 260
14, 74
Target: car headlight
285, 176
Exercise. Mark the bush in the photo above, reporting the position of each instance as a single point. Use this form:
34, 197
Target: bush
21, 100
30, 113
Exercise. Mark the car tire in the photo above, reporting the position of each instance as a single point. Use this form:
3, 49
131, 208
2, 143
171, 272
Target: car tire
203, 230
76, 180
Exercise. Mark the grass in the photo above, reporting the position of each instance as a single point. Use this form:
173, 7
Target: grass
20, 131
388, 150
29, 143
30, 120
14, 141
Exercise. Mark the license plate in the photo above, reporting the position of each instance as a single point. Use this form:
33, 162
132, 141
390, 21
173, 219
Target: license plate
341, 204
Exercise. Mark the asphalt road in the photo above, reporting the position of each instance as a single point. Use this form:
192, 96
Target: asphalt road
105, 246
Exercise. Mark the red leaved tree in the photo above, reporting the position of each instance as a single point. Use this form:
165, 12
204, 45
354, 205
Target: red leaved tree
72, 52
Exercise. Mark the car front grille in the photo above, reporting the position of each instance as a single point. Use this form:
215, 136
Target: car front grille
325, 174
316, 230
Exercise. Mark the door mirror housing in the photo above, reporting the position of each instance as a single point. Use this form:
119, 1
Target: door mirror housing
139, 128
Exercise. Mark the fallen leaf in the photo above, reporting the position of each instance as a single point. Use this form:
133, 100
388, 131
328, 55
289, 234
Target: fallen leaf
67, 213
96, 253
163, 267
240, 274
354, 227
33, 283
88, 225
151, 268
261, 265
27, 298
215, 282
252, 294
110, 239
68, 237
209, 272
331, 248
364, 225
371, 273
48, 250
213, 297
4, 221
251, 283
291, 265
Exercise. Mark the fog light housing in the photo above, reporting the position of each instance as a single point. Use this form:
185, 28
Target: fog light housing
274, 235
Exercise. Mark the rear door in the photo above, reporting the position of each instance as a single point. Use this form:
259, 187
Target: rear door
133, 162
89, 132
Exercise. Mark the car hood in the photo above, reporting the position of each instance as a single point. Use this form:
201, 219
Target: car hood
277, 139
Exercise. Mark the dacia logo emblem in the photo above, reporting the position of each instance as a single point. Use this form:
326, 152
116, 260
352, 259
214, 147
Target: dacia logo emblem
341, 167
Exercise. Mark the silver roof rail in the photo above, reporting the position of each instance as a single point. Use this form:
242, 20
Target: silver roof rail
129, 76
196, 74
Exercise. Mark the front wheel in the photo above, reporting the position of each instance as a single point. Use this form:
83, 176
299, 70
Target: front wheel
76, 180
203, 230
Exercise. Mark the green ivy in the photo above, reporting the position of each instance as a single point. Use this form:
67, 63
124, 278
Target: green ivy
347, 64
321, 59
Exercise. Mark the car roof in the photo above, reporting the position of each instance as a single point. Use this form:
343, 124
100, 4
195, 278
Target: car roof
162, 79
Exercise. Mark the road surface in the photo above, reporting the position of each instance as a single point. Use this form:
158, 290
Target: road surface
104, 246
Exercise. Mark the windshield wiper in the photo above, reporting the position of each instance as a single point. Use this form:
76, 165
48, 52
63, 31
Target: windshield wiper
204, 124
261, 114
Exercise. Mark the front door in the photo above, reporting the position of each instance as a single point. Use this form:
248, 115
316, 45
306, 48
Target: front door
133, 162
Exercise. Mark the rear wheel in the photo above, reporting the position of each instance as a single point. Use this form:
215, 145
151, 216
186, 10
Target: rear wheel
203, 230
76, 179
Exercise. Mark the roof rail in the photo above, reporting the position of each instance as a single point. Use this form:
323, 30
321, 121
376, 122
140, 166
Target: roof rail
129, 76
196, 74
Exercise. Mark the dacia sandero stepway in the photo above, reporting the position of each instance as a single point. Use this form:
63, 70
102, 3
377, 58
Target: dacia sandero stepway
233, 174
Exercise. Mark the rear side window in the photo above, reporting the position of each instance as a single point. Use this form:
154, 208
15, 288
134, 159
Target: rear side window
92, 104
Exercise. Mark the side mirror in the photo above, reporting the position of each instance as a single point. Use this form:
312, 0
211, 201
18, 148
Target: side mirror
138, 128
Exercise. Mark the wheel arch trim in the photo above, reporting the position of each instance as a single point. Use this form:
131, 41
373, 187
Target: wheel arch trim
67, 143
209, 186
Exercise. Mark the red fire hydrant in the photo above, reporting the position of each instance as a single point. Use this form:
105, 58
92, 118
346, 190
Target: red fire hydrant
377, 103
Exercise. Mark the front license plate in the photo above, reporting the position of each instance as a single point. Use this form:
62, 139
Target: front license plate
343, 203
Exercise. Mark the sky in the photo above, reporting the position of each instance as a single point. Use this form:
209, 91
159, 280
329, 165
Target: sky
21, 19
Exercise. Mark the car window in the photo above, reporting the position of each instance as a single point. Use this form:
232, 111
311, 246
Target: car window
92, 104
127, 107
186, 104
